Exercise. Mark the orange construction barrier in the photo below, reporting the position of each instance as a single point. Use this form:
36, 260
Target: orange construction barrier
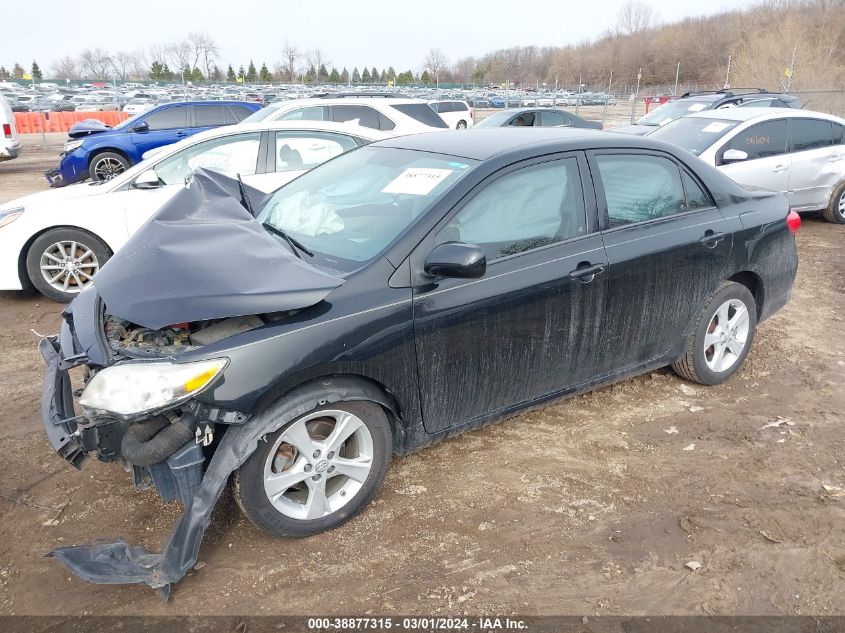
32, 122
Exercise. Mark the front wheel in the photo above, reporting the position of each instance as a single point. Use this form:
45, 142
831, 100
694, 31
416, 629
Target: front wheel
62, 262
722, 336
107, 165
318, 471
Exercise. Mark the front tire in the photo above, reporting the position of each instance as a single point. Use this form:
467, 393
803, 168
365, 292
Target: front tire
835, 211
107, 165
317, 471
722, 336
62, 262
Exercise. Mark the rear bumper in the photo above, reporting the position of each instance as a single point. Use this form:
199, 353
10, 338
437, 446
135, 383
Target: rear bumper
10, 151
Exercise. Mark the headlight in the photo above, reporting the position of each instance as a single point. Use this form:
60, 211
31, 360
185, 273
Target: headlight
72, 145
141, 387
10, 215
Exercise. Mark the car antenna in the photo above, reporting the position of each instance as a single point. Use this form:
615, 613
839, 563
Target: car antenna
244, 198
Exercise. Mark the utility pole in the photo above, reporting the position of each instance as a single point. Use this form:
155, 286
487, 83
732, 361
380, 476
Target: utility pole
728, 74
677, 74
604, 112
636, 95
791, 69
578, 97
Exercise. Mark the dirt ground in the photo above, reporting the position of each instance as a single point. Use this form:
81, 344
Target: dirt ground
590, 506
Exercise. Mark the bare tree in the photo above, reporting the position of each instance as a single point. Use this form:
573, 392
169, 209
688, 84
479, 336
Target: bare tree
435, 63
121, 62
66, 68
181, 55
138, 68
634, 17
316, 59
290, 55
205, 49
96, 63
464, 68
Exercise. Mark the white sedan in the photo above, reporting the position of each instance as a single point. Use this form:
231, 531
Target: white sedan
56, 240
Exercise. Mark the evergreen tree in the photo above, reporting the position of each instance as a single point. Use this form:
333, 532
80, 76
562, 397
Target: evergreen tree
334, 77
356, 76
196, 75
4, 74
264, 74
35, 72
310, 74
251, 73
166, 73
391, 74
156, 71
186, 73
344, 76
216, 74
230, 73
18, 72
322, 73
383, 78
374, 75
365, 78
241, 73
425, 77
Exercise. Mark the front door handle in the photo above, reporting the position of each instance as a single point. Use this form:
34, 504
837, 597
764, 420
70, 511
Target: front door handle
780, 168
711, 239
586, 272
181, 133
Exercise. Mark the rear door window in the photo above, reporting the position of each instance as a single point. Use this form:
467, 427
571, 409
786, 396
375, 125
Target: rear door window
554, 119
365, 115
312, 113
526, 119
810, 134
304, 150
420, 112
761, 140
211, 115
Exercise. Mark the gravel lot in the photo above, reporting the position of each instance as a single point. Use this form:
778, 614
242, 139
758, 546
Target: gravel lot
593, 505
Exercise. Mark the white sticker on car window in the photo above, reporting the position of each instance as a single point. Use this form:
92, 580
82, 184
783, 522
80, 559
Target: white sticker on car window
417, 181
696, 107
716, 127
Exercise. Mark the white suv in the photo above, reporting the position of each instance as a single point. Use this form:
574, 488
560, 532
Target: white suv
390, 114
457, 114
10, 144
797, 152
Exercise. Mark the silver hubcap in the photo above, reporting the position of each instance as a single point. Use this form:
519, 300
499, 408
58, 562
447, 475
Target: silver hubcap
318, 464
108, 168
68, 266
842, 204
727, 334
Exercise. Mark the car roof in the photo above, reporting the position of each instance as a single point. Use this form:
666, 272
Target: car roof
482, 144
749, 113
345, 101
317, 126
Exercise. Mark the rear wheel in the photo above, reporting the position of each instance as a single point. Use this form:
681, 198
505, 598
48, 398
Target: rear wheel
62, 262
107, 165
722, 336
462, 125
318, 471
835, 211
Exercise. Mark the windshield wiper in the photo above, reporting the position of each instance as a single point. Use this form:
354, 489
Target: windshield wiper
295, 245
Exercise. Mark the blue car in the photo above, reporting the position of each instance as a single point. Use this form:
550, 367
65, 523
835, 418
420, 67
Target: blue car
99, 152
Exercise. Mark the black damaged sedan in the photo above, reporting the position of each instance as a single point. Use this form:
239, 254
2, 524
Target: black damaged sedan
394, 296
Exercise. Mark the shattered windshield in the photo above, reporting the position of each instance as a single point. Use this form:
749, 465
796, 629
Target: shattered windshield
349, 209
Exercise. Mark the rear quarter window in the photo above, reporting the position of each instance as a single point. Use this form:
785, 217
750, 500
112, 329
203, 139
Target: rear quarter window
422, 113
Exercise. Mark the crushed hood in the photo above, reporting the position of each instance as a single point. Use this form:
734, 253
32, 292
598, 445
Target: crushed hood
203, 256
87, 128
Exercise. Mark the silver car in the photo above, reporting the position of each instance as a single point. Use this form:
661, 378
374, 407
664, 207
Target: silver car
797, 152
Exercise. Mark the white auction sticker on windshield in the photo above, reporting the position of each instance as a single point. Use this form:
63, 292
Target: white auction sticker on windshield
716, 127
417, 181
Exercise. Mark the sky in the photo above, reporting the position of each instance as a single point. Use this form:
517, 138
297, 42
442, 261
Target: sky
350, 33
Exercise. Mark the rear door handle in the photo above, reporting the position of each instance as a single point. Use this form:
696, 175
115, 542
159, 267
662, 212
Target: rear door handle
585, 272
780, 168
711, 238
181, 133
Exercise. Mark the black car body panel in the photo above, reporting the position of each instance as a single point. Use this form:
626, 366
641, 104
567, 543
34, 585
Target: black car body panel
445, 355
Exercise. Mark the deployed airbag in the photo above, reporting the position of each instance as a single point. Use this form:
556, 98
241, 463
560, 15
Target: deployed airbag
203, 256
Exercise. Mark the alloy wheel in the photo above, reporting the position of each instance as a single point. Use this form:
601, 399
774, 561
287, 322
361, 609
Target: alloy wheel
318, 464
107, 168
68, 266
727, 335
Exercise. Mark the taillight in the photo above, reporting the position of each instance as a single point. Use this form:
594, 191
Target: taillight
793, 222
7, 130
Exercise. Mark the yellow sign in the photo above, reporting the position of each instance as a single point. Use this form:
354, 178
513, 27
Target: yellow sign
28, 77
788, 73
240, 80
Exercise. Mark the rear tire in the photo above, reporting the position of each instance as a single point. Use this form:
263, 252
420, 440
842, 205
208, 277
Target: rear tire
835, 211
462, 125
107, 165
65, 255
317, 471
721, 337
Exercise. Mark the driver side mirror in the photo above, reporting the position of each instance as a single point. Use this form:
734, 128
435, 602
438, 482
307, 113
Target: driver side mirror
456, 259
141, 126
147, 180
734, 156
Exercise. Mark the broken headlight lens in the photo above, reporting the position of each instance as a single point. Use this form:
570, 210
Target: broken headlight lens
72, 145
136, 388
